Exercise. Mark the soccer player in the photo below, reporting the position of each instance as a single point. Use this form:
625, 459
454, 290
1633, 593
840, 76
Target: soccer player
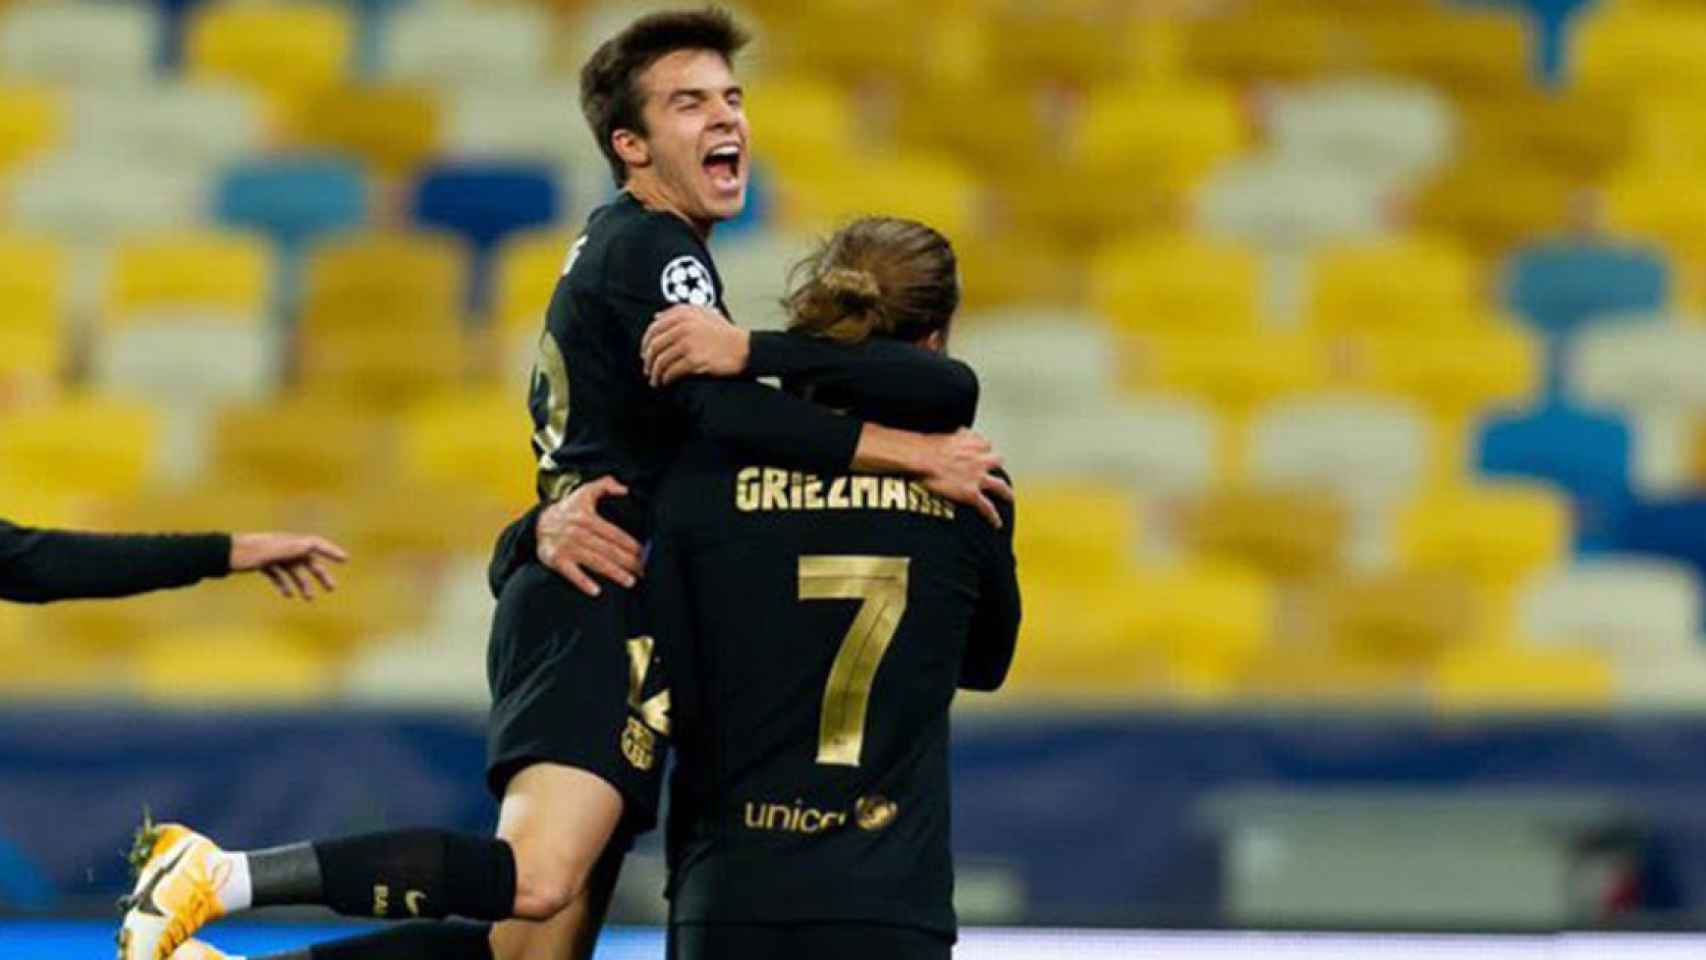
576, 777
816, 627
41, 566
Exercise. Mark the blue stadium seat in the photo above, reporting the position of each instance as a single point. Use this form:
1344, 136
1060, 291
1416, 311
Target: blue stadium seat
1586, 453
1674, 528
1560, 287
1551, 23
292, 199
484, 202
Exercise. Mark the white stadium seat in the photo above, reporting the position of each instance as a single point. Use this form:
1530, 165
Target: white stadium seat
1629, 606
82, 44
1046, 361
92, 199
1389, 131
1651, 368
1280, 206
196, 126
458, 46
1367, 449
1161, 445
754, 267
539, 123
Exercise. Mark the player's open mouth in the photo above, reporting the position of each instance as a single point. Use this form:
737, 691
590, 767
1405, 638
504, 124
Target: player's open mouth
723, 164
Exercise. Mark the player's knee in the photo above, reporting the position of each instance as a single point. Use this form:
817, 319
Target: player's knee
546, 881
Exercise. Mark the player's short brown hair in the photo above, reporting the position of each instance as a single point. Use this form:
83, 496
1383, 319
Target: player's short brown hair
876, 277
610, 96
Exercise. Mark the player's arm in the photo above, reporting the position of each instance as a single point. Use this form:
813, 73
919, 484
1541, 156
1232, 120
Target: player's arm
40, 566
886, 375
995, 622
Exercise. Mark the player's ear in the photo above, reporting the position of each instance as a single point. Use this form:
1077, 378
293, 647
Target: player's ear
936, 342
632, 148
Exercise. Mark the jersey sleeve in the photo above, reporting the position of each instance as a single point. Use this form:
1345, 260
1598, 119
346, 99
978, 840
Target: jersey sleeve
995, 622
655, 264
907, 386
39, 566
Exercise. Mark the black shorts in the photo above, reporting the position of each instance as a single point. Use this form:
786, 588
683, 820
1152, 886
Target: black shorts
562, 666
818, 941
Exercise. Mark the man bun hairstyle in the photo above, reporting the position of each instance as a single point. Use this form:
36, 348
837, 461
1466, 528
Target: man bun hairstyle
611, 98
876, 277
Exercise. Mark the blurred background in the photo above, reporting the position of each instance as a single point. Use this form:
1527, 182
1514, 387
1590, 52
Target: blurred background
1347, 354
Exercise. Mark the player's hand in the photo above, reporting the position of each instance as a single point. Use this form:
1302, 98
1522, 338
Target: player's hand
961, 467
293, 562
576, 542
689, 341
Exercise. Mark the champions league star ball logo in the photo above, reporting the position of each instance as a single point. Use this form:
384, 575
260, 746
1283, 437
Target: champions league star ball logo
685, 280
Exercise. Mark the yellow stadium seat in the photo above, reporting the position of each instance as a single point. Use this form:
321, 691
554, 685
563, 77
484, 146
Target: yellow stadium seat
1463, 50
1101, 207
1493, 206
852, 39
1574, 134
31, 122
33, 295
1243, 48
1660, 205
1078, 531
1061, 43
1237, 370
388, 367
1314, 677
1494, 677
934, 189
1209, 621
284, 49
84, 445
478, 441
1183, 285
379, 279
1286, 534
221, 273
802, 123
393, 129
239, 664
1669, 133
1003, 268
413, 522
1396, 618
1080, 638
1411, 285
68, 670
528, 268
1642, 52
1169, 136
1454, 376
300, 446
1494, 534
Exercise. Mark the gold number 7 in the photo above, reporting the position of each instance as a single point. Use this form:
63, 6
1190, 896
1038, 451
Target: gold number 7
880, 582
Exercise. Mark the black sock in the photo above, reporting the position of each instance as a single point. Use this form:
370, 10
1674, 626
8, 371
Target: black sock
407, 941
417, 873
285, 875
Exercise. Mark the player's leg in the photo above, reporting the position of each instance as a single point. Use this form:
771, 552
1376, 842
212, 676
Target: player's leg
573, 932
731, 941
857, 941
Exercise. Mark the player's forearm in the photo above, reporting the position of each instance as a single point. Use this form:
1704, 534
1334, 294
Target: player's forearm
39, 566
993, 640
770, 425
887, 450
919, 388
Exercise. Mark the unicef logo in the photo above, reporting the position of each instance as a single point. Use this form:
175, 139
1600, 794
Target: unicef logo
685, 280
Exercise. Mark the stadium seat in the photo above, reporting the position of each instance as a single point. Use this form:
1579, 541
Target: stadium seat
378, 279
466, 45
292, 199
1240, 48
389, 367
89, 200
90, 44
392, 129
285, 50
239, 664
301, 446
1236, 371
754, 267
1469, 51
852, 40
1559, 287
529, 264
1494, 533
202, 127
1584, 453
1392, 131
1645, 52
1078, 530
1399, 286
539, 123
801, 122
1369, 451
1079, 639
1630, 608
220, 273
31, 123
1153, 443
1059, 362
1658, 206
1494, 205
938, 190
1169, 136
1320, 678
1062, 44
1650, 369
483, 203
1673, 527
1395, 619
390, 525
1281, 206
54, 440
1576, 134
1669, 135
1286, 534
1178, 284
1499, 678
478, 442
34, 275
1209, 620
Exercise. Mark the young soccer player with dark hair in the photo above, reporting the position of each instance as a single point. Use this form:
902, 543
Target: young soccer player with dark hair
575, 752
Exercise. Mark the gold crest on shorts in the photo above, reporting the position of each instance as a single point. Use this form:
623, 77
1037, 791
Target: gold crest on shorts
639, 745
